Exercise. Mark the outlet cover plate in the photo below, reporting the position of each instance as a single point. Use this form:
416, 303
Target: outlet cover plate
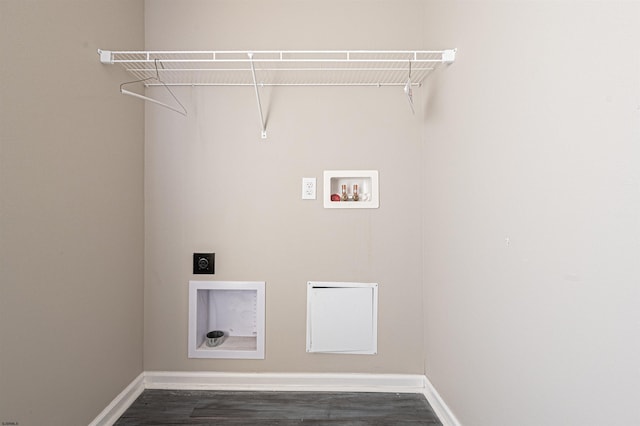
308, 188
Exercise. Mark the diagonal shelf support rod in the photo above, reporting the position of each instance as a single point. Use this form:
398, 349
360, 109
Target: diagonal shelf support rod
255, 86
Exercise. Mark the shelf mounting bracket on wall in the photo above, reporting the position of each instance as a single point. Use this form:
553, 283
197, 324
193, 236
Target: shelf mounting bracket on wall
263, 124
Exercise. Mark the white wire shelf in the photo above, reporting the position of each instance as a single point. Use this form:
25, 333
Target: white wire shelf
406, 68
280, 68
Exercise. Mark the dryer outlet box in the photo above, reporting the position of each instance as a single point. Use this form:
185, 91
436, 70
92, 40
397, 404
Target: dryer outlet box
204, 263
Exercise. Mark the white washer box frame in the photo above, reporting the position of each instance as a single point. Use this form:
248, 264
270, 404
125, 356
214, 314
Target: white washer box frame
342, 317
368, 187
236, 347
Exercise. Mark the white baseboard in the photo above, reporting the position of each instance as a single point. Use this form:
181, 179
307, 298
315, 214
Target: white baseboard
120, 403
316, 382
402, 383
437, 403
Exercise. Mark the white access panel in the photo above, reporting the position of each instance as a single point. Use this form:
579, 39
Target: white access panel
342, 317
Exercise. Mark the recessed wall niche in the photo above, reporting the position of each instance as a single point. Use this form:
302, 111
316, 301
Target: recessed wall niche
236, 308
351, 189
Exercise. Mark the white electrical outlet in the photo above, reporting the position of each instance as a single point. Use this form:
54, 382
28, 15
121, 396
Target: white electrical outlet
308, 188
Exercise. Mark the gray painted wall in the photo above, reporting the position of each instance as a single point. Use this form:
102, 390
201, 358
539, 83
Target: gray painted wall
71, 211
531, 224
213, 185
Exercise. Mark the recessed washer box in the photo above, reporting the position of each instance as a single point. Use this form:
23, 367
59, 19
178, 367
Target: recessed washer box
235, 307
366, 182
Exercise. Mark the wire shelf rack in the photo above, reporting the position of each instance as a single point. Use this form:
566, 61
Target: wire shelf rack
280, 68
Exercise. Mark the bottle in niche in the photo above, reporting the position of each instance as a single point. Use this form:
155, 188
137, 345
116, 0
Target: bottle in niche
345, 197
356, 197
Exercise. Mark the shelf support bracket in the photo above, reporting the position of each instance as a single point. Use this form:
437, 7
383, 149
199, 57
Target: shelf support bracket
255, 86
105, 56
449, 56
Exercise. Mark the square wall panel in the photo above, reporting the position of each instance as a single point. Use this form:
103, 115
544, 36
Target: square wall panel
342, 317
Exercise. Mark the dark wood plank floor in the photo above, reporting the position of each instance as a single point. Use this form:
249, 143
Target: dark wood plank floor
168, 407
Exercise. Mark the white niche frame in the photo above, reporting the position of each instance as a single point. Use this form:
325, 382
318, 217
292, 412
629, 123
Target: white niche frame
367, 181
235, 307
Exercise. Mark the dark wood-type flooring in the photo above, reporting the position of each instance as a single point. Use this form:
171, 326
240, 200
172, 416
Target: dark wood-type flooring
170, 407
